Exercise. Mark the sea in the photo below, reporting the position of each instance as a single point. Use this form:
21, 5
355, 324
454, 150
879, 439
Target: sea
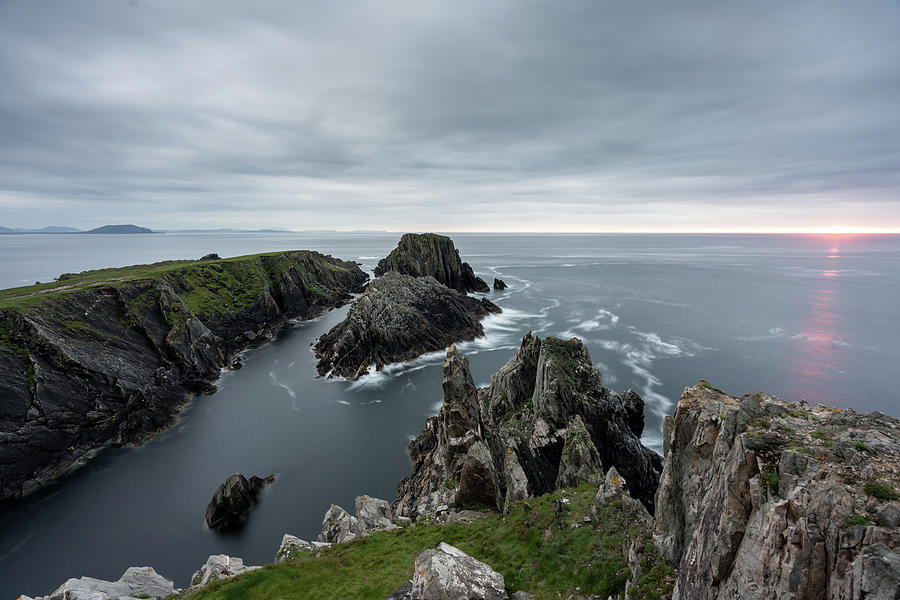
802, 317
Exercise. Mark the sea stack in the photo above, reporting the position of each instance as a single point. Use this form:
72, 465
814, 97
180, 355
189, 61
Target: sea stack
423, 254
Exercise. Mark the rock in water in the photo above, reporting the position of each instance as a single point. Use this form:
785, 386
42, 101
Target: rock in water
233, 501
398, 318
545, 421
778, 498
424, 254
499, 284
448, 573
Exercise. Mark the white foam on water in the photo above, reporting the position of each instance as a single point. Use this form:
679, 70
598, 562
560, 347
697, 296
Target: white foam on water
344, 402
366, 258
774, 332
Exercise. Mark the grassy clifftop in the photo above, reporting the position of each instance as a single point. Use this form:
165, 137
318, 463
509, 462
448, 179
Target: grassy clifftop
241, 277
548, 545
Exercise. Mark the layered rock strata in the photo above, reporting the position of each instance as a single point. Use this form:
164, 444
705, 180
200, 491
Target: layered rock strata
113, 362
429, 254
233, 501
762, 498
546, 421
399, 317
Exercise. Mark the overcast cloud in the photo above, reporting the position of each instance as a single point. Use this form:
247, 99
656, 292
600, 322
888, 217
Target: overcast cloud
456, 115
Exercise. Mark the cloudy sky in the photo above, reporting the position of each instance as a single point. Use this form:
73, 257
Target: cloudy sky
457, 115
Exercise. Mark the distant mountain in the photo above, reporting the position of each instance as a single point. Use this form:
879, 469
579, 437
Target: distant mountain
119, 229
55, 229
6, 230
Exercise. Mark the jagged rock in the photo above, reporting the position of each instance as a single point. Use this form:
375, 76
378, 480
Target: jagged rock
429, 254
499, 284
545, 421
338, 526
291, 547
404, 592
448, 573
372, 513
233, 501
136, 582
613, 486
220, 566
759, 495
579, 462
398, 318
138, 353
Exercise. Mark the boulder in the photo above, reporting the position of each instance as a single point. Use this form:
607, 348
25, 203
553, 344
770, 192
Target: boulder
291, 547
136, 582
499, 284
338, 526
233, 501
448, 573
429, 254
220, 566
372, 513
398, 318
211, 256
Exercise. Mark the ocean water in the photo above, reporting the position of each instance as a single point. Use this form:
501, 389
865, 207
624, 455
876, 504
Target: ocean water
803, 317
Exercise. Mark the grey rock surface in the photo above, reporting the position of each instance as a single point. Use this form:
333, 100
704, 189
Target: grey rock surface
220, 566
762, 498
372, 513
136, 582
338, 526
448, 573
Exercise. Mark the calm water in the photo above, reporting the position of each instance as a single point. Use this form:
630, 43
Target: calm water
802, 317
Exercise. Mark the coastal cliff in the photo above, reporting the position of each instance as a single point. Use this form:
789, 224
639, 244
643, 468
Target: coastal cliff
424, 254
109, 357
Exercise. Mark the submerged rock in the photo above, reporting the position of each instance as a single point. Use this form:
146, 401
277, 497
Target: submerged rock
233, 501
429, 254
399, 317
499, 284
777, 498
448, 573
220, 566
136, 582
546, 421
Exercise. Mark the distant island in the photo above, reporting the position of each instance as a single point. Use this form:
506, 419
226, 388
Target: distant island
58, 229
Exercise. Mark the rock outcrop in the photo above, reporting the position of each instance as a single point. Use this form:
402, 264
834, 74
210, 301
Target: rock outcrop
545, 421
499, 284
399, 317
372, 514
448, 573
762, 498
233, 501
220, 566
291, 547
136, 582
114, 361
429, 254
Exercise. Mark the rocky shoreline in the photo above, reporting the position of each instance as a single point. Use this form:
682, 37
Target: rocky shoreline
758, 497
113, 362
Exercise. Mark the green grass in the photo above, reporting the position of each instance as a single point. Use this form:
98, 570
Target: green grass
880, 490
769, 479
224, 274
859, 520
533, 549
707, 385
860, 446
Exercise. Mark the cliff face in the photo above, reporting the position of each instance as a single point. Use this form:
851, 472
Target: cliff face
762, 498
545, 422
420, 255
113, 362
398, 318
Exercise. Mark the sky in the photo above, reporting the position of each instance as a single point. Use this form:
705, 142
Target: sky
462, 115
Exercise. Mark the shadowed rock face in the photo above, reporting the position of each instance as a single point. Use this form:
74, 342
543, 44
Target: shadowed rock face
424, 254
545, 421
114, 364
398, 318
762, 498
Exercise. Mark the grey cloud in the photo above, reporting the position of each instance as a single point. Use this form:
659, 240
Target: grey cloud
472, 114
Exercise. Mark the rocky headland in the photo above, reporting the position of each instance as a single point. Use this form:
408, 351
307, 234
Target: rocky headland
399, 317
538, 487
110, 357
424, 254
